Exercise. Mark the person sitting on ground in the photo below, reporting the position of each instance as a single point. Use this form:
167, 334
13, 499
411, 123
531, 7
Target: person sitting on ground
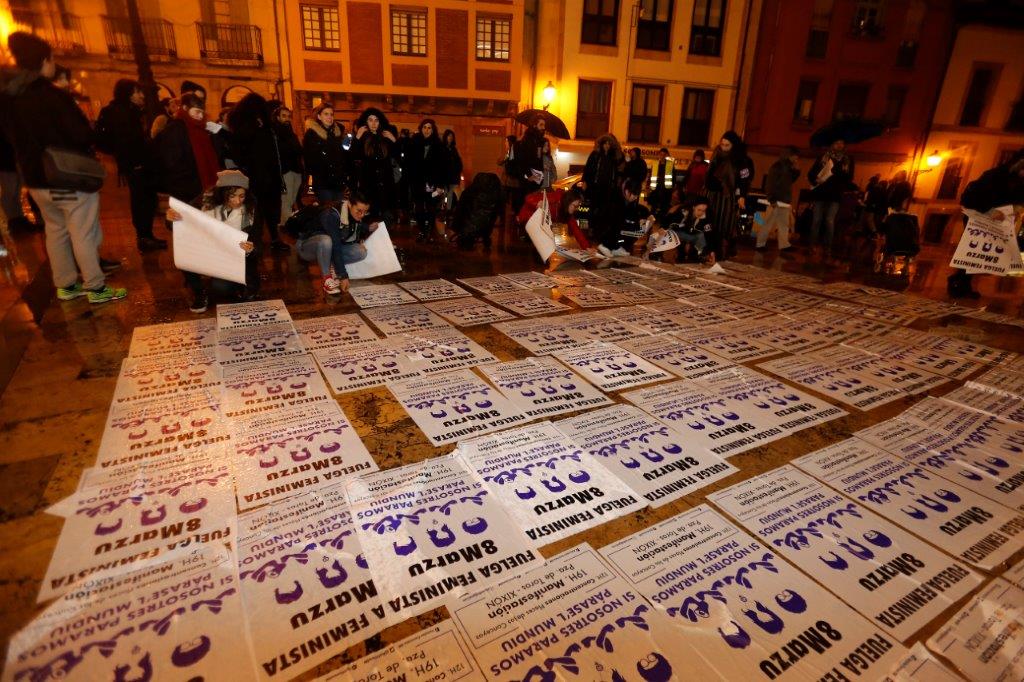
695, 231
623, 221
336, 239
229, 202
563, 205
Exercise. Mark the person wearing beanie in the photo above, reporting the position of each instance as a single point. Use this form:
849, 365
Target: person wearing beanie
38, 117
230, 202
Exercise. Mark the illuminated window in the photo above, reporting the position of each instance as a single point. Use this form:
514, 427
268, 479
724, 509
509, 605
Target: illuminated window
654, 28
867, 18
320, 28
408, 32
803, 112
595, 100
493, 38
645, 113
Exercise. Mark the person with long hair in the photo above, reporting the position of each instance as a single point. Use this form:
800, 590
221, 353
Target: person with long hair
452, 169
326, 159
727, 183
600, 184
373, 153
426, 181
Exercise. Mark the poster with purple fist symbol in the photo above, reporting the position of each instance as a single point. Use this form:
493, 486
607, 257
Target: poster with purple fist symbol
432, 533
365, 365
277, 384
544, 387
610, 367
334, 331
898, 581
402, 319
173, 337
834, 381
747, 611
251, 314
146, 377
435, 351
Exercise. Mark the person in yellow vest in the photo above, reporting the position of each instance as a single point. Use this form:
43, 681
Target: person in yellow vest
660, 183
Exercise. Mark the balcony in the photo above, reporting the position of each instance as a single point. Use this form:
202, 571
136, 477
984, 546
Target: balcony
62, 30
157, 33
230, 44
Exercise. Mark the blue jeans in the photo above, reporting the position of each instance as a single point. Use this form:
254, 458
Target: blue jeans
320, 248
824, 211
697, 239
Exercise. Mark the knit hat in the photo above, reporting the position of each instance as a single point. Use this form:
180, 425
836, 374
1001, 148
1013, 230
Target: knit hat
232, 178
192, 86
29, 51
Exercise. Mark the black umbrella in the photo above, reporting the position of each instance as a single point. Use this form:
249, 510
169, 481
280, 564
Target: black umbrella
552, 124
849, 130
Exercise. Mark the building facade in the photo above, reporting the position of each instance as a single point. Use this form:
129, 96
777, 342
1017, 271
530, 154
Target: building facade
822, 59
230, 47
652, 72
457, 62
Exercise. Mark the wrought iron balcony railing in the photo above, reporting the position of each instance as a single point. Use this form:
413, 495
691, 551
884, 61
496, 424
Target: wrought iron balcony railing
230, 44
62, 30
158, 35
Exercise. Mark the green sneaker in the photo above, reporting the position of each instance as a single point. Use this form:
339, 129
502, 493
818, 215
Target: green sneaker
70, 293
107, 293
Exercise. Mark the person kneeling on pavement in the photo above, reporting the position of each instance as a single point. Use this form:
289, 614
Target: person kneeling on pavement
695, 229
334, 239
229, 202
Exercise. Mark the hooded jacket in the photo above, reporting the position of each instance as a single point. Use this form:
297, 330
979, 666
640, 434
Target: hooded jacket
603, 171
326, 160
373, 155
121, 131
37, 114
426, 162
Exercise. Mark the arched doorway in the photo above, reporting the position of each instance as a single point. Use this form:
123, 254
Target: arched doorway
233, 95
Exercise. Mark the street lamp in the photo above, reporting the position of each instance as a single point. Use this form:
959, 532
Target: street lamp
549, 93
934, 159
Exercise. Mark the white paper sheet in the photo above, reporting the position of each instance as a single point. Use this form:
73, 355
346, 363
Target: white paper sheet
364, 365
610, 367
373, 295
468, 311
333, 331
528, 303
206, 246
381, 258
543, 387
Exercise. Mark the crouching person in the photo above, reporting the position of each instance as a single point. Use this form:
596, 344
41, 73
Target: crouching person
229, 202
336, 240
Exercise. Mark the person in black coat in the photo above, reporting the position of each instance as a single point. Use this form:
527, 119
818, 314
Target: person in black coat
452, 169
529, 154
601, 178
326, 159
188, 155
291, 160
256, 151
636, 170
830, 176
426, 177
373, 154
122, 132
727, 183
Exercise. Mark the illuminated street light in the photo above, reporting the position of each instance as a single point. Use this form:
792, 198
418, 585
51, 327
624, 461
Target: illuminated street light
549, 94
934, 159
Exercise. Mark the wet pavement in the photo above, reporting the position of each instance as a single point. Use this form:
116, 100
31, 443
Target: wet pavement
60, 362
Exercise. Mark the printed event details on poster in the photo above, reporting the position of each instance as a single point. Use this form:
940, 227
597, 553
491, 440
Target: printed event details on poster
647, 320
985, 640
432, 532
646, 454
173, 338
598, 326
988, 246
252, 314
374, 295
543, 387
454, 406
834, 381
435, 653
539, 336
333, 331
440, 350
368, 364
276, 384
175, 619
961, 522
468, 311
897, 581
492, 285
530, 280
546, 483
294, 451
726, 344
401, 319
684, 360
573, 618
434, 289
528, 303
754, 615
919, 664
308, 590
258, 344
142, 378
611, 368
883, 370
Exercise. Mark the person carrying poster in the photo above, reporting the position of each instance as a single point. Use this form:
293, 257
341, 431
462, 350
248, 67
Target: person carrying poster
335, 239
999, 186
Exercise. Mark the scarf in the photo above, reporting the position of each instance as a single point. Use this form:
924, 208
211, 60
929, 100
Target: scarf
207, 163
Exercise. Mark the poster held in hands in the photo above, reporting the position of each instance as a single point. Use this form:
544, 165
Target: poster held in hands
381, 258
206, 246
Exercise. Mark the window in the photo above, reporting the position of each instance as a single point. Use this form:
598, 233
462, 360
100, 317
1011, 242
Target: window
949, 186
1016, 121
803, 112
600, 22
817, 38
867, 18
408, 32
706, 31
654, 29
976, 100
906, 54
493, 38
894, 105
645, 114
695, 123
851, 100
592, 109
320, 29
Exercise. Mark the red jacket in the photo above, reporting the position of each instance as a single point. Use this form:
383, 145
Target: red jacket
555, 206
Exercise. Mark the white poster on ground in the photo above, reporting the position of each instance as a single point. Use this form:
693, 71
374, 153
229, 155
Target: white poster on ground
638, 294
611, 368
888, 371
574, 618
401, 319
251, 314
528, 303
206, 246
333, 331
834, 381
173, 338
293, 451
740, 311
381, 258
593, 326
976, 397
307, 588
590, 297
174, 620
919, 664
929, 361
454, 406
692, 316
495, 284
434, 289
546, 483
468, 311
369, 364
543, 387
961, 522
261, 344
1005, 381
435, 653
644, 453
142, 378
899, 582
374, 295
648, 320
530, 280
278, 383
433, 533
985, 639
541, 336
684, 360
441, 350
781, 333
746, 611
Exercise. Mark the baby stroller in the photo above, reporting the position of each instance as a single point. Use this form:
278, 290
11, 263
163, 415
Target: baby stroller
902, 241
480, 205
